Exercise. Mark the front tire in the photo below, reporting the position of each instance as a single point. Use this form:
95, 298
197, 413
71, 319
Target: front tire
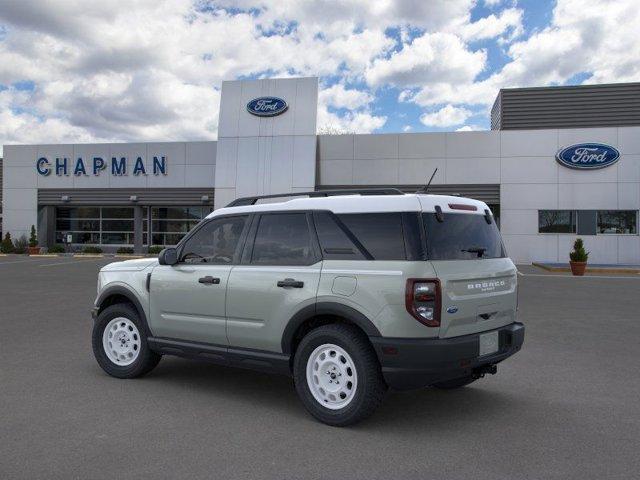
337, 375
120, 344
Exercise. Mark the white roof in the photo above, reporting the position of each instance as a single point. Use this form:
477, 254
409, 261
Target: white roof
362, 204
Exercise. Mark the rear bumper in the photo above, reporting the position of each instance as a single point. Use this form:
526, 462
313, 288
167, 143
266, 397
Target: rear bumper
419, 362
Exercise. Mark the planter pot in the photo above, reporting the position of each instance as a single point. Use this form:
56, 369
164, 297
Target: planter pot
33, 250
578, 268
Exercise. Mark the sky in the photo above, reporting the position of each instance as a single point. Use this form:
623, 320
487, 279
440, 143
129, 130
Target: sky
77, 71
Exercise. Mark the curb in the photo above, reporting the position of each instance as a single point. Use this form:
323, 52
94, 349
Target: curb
588, 270
85, 255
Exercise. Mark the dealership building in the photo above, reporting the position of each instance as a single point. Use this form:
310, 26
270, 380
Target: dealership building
559, 162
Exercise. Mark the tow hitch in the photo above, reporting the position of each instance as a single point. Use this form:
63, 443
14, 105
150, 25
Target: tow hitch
484, 370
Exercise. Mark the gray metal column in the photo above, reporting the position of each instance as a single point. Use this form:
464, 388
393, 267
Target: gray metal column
46, 227
138, 216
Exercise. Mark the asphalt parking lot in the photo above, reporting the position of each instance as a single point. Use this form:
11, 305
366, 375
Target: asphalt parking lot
567, 406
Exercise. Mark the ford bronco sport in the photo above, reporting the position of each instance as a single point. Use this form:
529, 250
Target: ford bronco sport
348, 292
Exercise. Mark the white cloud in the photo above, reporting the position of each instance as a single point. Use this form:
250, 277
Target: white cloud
151, 70
357, 119
358, 122
340, 97
407, 128
469, 128
432, 57
597, 38
447, 116
509, 22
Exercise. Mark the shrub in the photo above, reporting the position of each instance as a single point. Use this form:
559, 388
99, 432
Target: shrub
57, 248
20, 245
33, 238
7, 244
579, 254
91, 249
125, 250
155, 249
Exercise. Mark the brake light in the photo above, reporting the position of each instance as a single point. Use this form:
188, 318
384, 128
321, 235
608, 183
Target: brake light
462, 206
422, 299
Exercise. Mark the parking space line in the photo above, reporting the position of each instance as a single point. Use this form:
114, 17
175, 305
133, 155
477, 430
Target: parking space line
21, 261
573, 276
73, 262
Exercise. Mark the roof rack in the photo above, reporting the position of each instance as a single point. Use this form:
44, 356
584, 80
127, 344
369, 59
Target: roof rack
245, 201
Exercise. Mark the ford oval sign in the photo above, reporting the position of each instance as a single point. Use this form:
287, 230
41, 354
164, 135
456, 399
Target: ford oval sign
267, 106
588, 156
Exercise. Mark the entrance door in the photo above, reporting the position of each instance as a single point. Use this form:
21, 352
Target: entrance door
187, 300
278, 277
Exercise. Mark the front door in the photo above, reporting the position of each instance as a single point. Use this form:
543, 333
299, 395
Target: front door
278, 277
187, 300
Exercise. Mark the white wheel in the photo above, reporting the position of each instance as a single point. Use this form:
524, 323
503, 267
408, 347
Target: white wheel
331, 376
121, 341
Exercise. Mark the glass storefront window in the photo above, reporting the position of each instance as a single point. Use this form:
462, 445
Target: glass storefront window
95, 225
115, 225
170, 224
556, 221
618, 221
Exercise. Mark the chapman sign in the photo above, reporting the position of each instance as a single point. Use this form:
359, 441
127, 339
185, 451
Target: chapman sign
267, 106
588, 156
118, 166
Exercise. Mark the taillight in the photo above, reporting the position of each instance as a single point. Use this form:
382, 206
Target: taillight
422, 298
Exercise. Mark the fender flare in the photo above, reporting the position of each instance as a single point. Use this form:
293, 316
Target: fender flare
326, 308
129, 295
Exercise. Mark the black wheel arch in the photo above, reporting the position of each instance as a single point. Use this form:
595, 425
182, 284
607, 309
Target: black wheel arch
120, 294
324, 311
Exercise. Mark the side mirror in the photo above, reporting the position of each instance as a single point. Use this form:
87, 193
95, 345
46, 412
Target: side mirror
168, 256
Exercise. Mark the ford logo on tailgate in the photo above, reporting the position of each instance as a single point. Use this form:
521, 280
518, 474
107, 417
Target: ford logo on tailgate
267, 106
588, 156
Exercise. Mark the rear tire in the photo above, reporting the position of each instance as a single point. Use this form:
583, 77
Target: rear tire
337, 375
120, 344
455, 383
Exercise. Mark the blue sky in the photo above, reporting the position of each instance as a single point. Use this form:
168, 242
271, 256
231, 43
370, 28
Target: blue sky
77, 71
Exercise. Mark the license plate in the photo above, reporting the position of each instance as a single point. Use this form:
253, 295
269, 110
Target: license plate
489, 343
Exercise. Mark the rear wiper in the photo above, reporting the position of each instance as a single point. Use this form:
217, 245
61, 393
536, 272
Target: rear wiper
478, 250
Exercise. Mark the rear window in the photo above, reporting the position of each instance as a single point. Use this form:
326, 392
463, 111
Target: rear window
462, 236
283, 239
334, 241
380, 233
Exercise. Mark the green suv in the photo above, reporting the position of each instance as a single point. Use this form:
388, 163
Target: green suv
348, 292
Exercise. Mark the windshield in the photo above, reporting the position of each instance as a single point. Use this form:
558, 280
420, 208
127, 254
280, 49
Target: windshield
462, 236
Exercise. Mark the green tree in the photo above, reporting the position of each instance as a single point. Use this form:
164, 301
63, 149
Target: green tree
33, 237
7, 244
579, 254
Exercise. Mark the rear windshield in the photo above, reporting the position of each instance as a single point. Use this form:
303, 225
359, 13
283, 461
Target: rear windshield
462, 236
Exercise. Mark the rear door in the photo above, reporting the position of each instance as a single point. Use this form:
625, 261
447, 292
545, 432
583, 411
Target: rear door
477, 279
278, 276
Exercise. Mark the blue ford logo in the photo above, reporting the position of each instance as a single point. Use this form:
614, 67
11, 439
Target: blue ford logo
452, 309
588, 156
267, 106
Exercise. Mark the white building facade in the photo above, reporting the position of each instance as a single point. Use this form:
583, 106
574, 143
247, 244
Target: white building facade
138, 195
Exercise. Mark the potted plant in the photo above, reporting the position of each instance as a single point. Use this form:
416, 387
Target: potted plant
578, 258
33, 249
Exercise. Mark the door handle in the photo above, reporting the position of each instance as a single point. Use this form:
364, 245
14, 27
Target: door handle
290, 282
209, 280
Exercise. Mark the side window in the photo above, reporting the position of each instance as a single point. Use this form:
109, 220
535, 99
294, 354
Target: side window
283, 239
216, 242
334, 242
380, 233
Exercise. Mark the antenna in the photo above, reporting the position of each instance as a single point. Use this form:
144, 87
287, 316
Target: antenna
425, 189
